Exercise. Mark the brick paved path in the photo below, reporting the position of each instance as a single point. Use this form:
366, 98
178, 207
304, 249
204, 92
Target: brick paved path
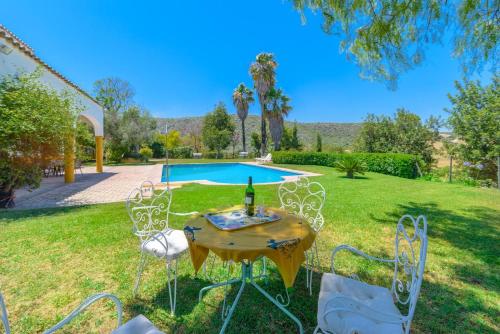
90, 187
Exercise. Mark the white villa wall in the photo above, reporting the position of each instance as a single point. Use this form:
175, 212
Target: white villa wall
18, 61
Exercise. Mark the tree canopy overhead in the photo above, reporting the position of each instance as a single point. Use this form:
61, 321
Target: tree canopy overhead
389, 37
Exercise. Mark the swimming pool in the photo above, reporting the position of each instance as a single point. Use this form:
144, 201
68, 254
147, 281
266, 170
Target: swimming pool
234, 173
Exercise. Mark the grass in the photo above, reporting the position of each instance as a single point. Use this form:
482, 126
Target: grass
52, 259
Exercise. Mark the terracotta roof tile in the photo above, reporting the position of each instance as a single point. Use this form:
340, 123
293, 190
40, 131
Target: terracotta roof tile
27, 50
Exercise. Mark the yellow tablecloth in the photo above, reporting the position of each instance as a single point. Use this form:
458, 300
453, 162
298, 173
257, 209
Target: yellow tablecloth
283, 241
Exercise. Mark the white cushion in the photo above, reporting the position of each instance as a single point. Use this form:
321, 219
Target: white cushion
375, 297
175, 239
138, 325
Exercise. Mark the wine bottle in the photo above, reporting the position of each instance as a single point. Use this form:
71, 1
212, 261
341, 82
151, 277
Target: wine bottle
250, 198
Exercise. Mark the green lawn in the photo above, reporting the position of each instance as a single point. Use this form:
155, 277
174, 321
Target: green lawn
52, 259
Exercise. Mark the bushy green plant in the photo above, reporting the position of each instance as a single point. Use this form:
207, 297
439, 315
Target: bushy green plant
183, 152
146, 153
36, 125
351, 165
403, 133
115, 152
460, 175
397, 164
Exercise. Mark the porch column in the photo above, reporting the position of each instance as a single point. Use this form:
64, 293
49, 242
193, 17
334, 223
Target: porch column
69, 159
99, 152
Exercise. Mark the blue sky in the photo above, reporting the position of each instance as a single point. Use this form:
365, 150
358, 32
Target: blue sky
182, 57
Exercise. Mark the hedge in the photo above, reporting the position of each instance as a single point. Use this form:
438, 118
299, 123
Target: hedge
397, 164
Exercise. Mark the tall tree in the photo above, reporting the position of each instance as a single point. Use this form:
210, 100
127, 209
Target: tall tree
242, 97
286, 139
295, 141
218, 129
388, 37
475, 120
137, 128
278, 107
256, 142
405, 133
263, 72
319, 143
116, 96
194, 133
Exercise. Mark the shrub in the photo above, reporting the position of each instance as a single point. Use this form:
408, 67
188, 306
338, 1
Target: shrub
183, 152
146, 153
36, 125
397, 164
350, 165
210, 155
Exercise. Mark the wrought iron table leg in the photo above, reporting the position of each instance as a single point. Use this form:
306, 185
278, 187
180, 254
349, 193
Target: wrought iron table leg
235, 302
275, 302
210, 287
247, 273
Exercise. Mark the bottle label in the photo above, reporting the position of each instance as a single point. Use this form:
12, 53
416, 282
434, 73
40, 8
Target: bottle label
248, 200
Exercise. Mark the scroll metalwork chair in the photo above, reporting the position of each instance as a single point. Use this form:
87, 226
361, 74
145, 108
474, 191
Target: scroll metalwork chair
305, 199
150, 214
347, 305
138, 325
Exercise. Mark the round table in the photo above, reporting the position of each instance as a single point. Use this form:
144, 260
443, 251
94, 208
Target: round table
283, 241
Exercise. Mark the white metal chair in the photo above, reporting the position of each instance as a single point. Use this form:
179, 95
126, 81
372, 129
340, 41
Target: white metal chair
347, 305
150, 212
267, 158
138, 325
306, 200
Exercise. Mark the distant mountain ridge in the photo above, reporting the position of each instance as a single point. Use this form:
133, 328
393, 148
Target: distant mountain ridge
333, 134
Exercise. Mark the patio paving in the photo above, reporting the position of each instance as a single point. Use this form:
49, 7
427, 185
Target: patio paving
113, 185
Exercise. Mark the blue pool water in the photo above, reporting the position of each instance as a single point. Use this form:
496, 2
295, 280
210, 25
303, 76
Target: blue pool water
223, 173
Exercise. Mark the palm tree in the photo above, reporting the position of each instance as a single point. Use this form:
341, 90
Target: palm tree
264, 77
242, 97
278, 108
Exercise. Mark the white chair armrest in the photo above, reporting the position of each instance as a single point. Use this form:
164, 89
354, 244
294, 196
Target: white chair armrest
346, 304
184, 213
357, 252
89, 301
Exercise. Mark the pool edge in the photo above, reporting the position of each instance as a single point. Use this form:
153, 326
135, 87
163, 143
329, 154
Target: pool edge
286, 178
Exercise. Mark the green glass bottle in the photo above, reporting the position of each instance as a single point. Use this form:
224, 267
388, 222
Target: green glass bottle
250, 198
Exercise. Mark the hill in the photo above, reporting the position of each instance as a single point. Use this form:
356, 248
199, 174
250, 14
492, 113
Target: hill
333, 134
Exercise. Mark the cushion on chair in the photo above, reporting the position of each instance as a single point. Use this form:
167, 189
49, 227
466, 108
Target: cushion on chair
138, 325
375, 297
175, 239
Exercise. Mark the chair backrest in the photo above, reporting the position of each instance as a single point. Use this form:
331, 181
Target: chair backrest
3, 311
304, 199
410, 256
149, 210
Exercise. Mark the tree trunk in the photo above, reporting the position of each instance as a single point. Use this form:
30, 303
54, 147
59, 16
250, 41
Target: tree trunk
263, 130
7, 198
350, 174
243, 135
277, 146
